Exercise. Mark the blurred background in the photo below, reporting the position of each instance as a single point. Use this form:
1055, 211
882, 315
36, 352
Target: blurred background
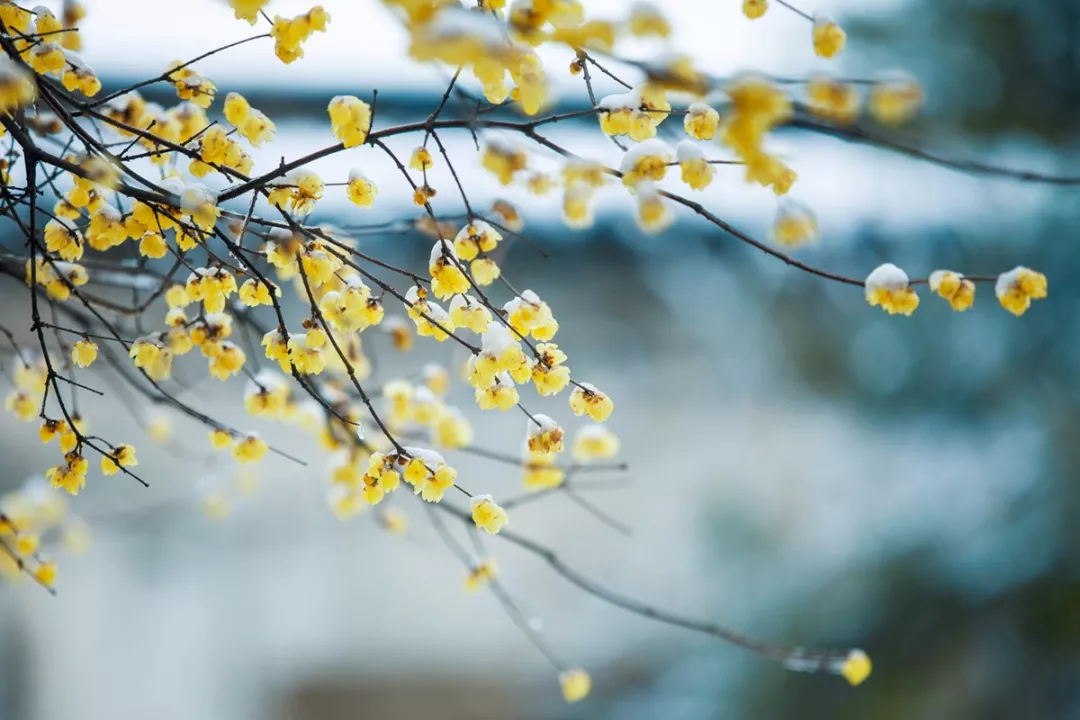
802, 467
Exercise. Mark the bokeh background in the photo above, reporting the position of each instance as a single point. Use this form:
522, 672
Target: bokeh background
802, 466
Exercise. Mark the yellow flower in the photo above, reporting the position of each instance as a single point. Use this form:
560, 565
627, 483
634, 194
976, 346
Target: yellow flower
306, 355
63, 238
447, 278
84, 352
302, 190
45, 573
248, 9
484, 271
1017, 288
191, 86
452, 430
577, 206
646, 20
834, 100
531, 90
176, 296
200, 203
250, 449
895, 101
587, 400
71, 476
220, 438
594, 442
501, 394
575, 684
474, 238
14, 17
954, 287
422, 194
430, 319
47, 58
696, 170
227, 360
152, 245
647, 160
549, 374
106, 229
361, 191
152, 357
637, 112
432, 485
256, 292
652, 213
120, 456
829, 38
159, 427
701, 121
856, 667
541, 473
503, 158
380, 478
481, 574
17, 87
350, 119
487, 515
289, 35
543, 435
212, 286
757, 105
76, 75
467, 312
795, 225
888, 287
529, 314
420, 159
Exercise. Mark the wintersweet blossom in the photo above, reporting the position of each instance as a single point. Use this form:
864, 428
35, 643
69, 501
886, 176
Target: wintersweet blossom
888, 287
84, 352
696, 170
290, 34
856, 667
447, 279
833, 100
543, 435
895, 100
954, 287
754, 9
1017, 288
487, 515
795, 225
575, 684
648, 160
249, 449
121, 456
482, 573
361, 191
588, 400
350, 119
594, 442
474, 238
829, 38
701, 121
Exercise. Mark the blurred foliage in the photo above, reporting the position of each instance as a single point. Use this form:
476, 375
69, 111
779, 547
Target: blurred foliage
989, 66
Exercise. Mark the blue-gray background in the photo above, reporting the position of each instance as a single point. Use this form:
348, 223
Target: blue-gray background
803, 467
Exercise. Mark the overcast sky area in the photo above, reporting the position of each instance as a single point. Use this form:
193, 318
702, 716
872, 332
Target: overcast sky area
366, 42
366, 48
